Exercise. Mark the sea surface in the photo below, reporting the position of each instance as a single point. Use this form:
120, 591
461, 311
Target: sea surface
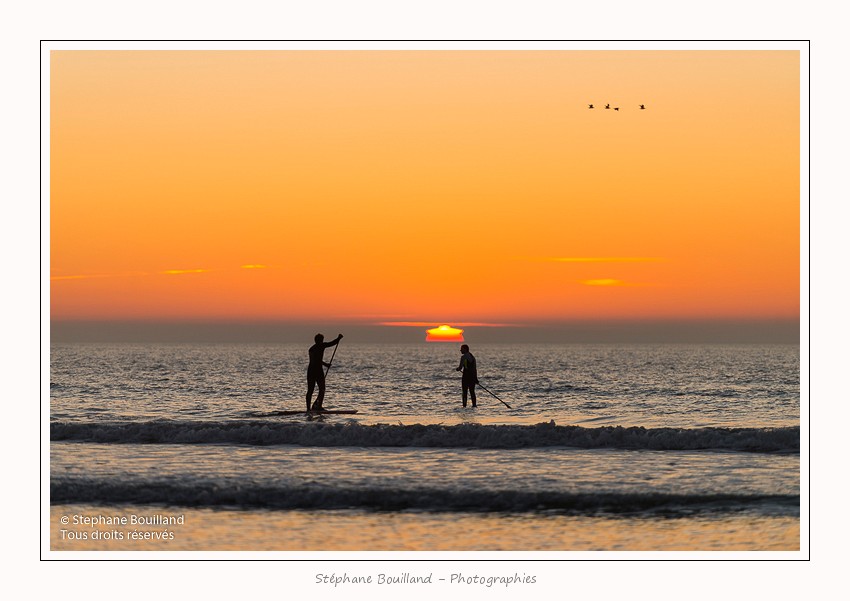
586, 448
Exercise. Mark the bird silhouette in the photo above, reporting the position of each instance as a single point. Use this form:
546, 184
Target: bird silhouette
607, 106
642, 107
590, 106
616, 108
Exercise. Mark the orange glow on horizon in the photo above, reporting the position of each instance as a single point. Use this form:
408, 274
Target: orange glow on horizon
444, 333
475, 186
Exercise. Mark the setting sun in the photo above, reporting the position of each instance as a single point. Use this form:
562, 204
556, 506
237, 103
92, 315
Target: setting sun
444, 333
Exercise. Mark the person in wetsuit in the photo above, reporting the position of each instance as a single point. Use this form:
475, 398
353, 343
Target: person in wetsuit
470, 374
316, 370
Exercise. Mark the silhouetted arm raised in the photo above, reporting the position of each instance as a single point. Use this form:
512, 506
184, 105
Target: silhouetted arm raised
333, 342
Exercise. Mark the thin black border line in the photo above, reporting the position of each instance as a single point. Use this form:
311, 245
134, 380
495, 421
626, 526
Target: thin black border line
41, 297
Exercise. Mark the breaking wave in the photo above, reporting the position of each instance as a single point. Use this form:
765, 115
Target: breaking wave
757, 440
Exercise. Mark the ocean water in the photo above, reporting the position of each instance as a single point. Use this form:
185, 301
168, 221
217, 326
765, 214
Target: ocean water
603, 447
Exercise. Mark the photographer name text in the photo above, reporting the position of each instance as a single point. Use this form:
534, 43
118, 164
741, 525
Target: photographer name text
407, 578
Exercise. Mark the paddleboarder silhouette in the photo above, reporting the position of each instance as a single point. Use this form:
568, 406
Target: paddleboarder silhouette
470, 374
316, 370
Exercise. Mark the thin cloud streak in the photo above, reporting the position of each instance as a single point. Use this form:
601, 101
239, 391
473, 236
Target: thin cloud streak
96, 276
432, 324
143, 274
612, 283
184, 271
78, 277
603, 259
603, 282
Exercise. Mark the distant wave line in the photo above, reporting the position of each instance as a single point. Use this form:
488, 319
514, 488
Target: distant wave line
266, 432
73, 490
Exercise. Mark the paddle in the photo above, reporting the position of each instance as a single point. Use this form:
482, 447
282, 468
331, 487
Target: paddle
500, 400
333, 354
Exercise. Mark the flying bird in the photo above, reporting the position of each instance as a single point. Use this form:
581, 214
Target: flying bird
616, 108
590, 106
607, 106
642, 107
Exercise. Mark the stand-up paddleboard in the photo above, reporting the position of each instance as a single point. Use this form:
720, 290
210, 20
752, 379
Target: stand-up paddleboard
322, 412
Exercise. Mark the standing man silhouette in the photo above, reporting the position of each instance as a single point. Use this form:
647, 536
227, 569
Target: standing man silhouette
470, 374
316, 370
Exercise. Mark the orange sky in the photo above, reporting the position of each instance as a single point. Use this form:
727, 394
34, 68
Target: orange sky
424, 185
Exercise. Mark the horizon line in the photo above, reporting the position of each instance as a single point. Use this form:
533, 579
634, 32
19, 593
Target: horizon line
715, 330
